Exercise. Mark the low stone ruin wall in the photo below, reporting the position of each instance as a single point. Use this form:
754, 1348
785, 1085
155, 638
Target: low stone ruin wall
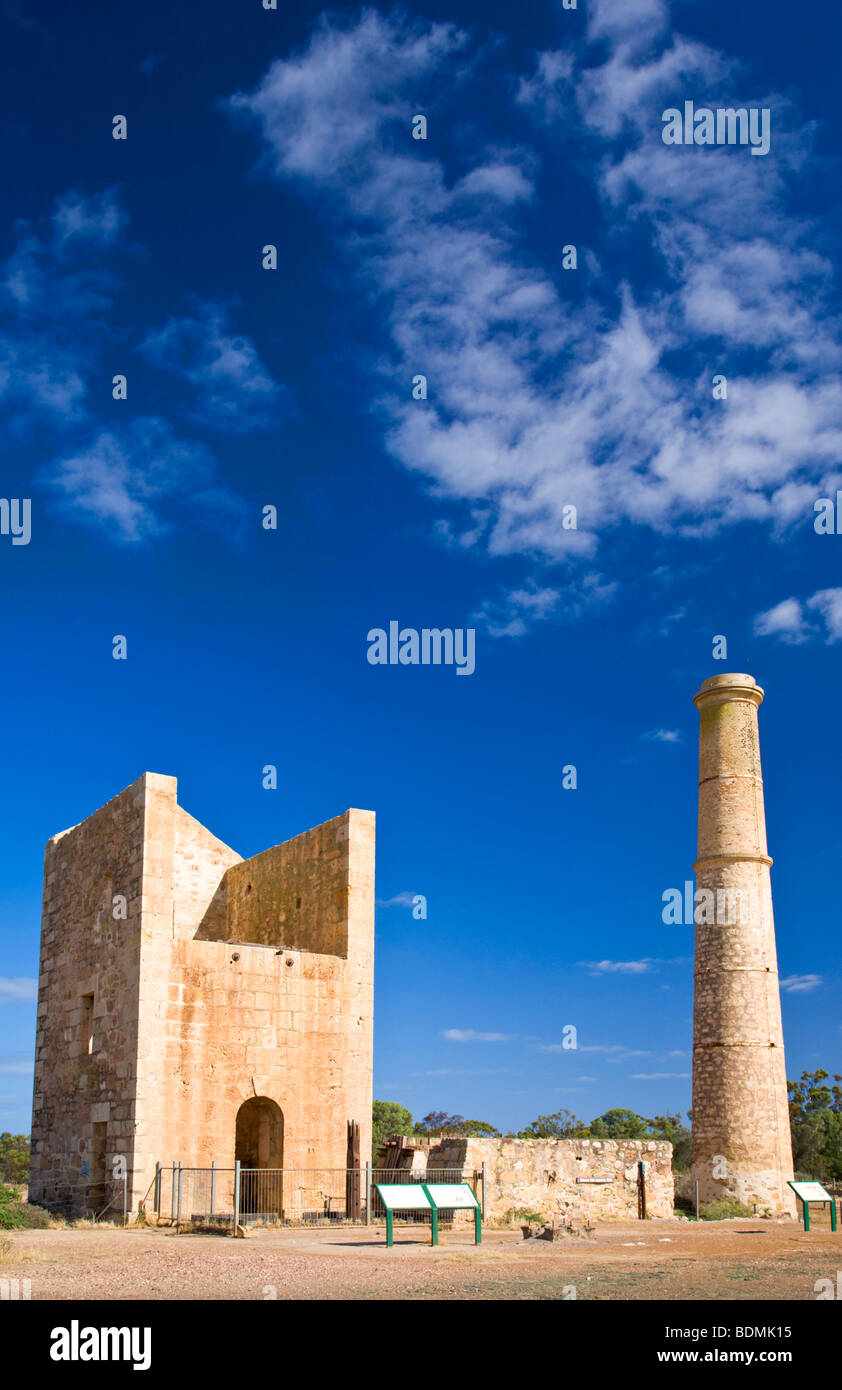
575, 1180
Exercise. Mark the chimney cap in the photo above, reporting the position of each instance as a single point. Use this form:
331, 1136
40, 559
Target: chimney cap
731, 686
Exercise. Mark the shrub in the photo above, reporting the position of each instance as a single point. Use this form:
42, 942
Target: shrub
519, 1214
16, 1215
14, 1157
723, 1209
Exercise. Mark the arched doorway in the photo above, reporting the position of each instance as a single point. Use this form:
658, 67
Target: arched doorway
259, 1146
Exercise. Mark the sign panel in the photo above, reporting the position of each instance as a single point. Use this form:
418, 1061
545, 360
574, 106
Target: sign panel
452, 1195
403, 1196
810, 1192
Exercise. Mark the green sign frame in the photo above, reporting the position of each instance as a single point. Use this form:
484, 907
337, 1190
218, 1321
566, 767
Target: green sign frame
447, 1196
808, 1192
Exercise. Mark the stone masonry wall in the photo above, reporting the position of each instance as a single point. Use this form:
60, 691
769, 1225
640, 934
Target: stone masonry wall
555, 1177
86, 952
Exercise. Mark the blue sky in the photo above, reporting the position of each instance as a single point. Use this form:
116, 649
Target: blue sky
546, 388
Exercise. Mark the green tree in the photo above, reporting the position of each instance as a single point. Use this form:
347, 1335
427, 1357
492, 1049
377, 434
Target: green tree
388, 1118
619, 1124
479, 1129
14, 1157
815, 1112
560, 1125
438, 1122
671, 1129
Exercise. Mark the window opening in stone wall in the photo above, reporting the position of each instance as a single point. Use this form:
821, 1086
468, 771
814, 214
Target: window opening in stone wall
87, 1025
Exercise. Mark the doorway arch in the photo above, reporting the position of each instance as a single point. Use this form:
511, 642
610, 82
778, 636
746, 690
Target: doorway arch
259, 1146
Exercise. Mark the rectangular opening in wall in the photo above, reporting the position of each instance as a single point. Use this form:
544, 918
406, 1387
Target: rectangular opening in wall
87, 1026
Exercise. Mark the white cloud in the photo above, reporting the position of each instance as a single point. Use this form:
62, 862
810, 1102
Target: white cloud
788, 622
661, 1076
535, 400
55, 290
634, 20
630, 967
120, 479
785, 621
18, 988
614, 1051
399, 900
466, 1071
623, 1056
514, 612
471, 1035
98, 220
801, 984
828, 604
56, 297
235, 393
663, 736
617, 967
510, 616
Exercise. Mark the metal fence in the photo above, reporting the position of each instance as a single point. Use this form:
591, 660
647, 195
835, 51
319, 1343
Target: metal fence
228, 1197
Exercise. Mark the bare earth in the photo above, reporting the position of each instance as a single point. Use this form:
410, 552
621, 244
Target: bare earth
729, 1260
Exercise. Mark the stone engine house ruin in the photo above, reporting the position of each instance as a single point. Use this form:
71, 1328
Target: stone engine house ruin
197, 1004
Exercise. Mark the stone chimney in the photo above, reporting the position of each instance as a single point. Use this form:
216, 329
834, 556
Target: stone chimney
741, 1136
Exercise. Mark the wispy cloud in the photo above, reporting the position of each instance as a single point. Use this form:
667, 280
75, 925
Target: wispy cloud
538, 400
660, 1075
788, 621
785, 621
399, 900
512, 614
121, 481
233, 391
631, 967
471, 1035
662, 736
469, 1071
55, 290
801, 984
96, 221
613, 1051
18, 988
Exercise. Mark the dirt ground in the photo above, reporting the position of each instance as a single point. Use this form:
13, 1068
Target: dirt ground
727, 1260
